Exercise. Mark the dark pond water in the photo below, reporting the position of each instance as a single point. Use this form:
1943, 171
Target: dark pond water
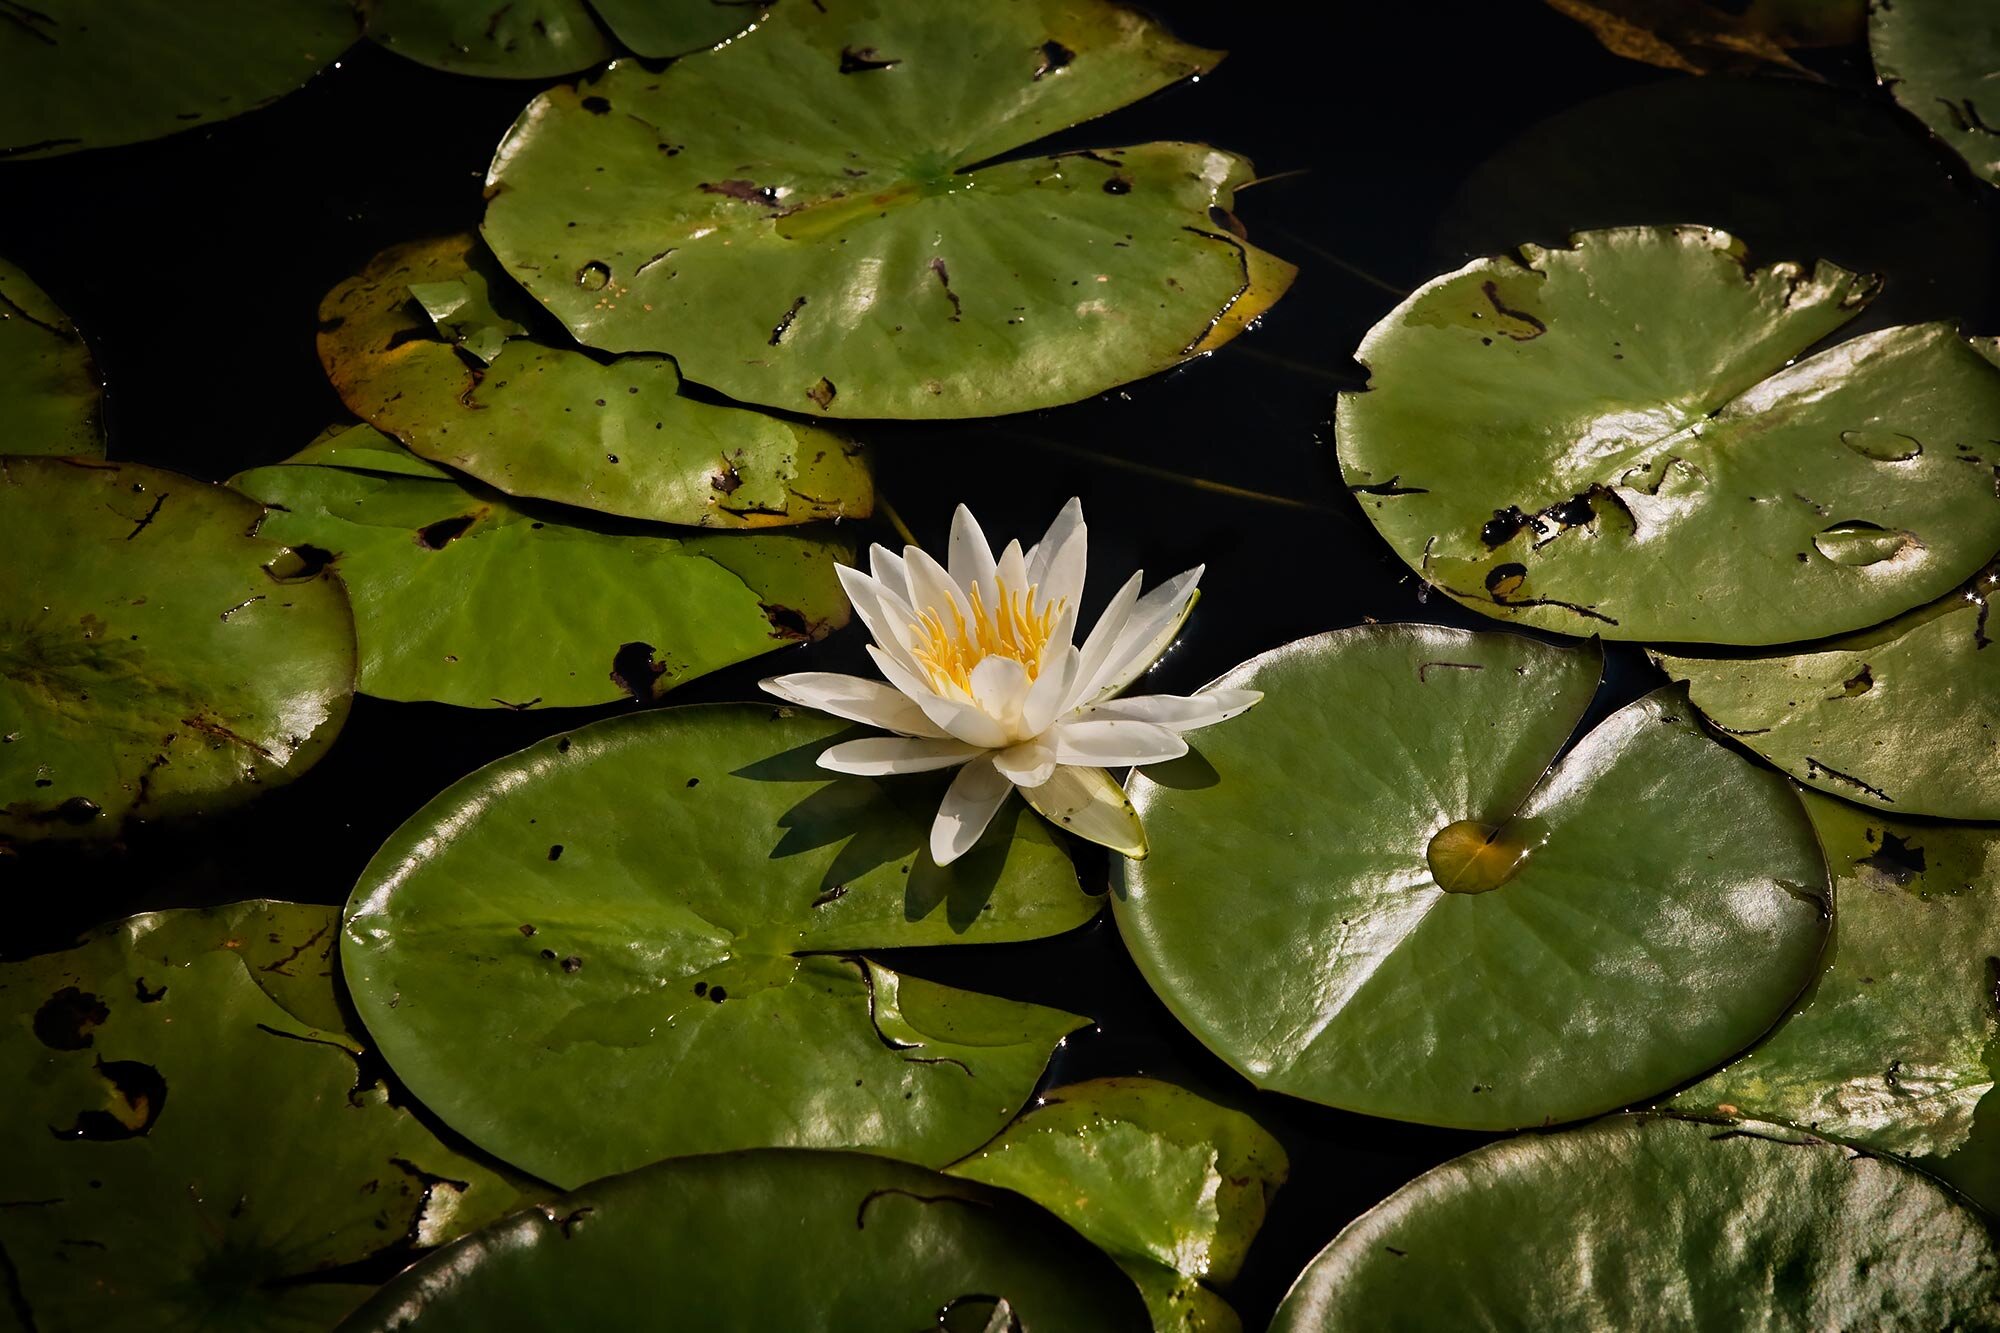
1399, 141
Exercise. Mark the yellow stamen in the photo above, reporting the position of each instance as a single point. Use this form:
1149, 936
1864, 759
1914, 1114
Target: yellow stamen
1016, 629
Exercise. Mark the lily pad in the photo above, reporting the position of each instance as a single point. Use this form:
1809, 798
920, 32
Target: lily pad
1703, 36
1540, 442
1679, 1224
183, 1150
802, 219
430, 344
633, 942
1375, 892
79, 76
544, 38
1938, 58
49, 394
151, 662
1169, 1184
1896, 1046
462, 597
750, 1242
1905, 717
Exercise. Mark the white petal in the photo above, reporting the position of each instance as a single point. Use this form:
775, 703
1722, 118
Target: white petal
1114, 744
1000, 687
932, 589
1029, 764
970, 557
1174, 712
1012, 568
958, 717
970, 803
1102, 639
887, 567
1056, 564
1155, 621
855, 698
1086, 802
884, 613
878, 756
1050, 692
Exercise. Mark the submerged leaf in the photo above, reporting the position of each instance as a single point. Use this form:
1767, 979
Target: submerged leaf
1375, 892
462, 597
50, 399
181, 1151
813, 218
156, 659
430, 344
755, 1242
633, 941
1660, 1222
1575, 459
1704, 36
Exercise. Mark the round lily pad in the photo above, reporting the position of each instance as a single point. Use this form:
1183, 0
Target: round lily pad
750, 1242
430, 343
1896, 1046
49, 394
1374, 891
1905, 716
1608, 439
463, 597
153, 661
80, 75
542, 38
1938, 58
632, 942
1169, 1184
182, 1149
1677, 1224
802, 218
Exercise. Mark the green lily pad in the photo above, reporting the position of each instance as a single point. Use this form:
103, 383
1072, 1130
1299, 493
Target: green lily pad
184, 1150
1938, 58
751, 1242
429, 343
544, 38
1896, 1046
465, 598
802, 218
1169, 1184
1668, 1223
1705, 36
49, 394
632, 942
1544, 445
150, 663
1374, 891
79, 76
1905, 717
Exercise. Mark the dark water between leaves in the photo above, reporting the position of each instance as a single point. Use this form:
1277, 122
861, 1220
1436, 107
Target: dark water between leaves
1397, 143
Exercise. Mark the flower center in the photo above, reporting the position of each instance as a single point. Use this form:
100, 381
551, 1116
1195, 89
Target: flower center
1016, 629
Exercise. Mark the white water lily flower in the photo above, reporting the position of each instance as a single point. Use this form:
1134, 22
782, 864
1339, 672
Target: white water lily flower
984, 675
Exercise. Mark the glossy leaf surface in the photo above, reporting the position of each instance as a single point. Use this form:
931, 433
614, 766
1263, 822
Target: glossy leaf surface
183, 1149
1171, 1185
430, 344
1373, 890
81, 75
1905, 717
49, 395
150, 664
802, 218
1894, 1046
462, 597
752, 1242
633, 942
1608, 439
1677, 1224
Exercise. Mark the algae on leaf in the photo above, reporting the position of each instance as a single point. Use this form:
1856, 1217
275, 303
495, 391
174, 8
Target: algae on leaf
830, 217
